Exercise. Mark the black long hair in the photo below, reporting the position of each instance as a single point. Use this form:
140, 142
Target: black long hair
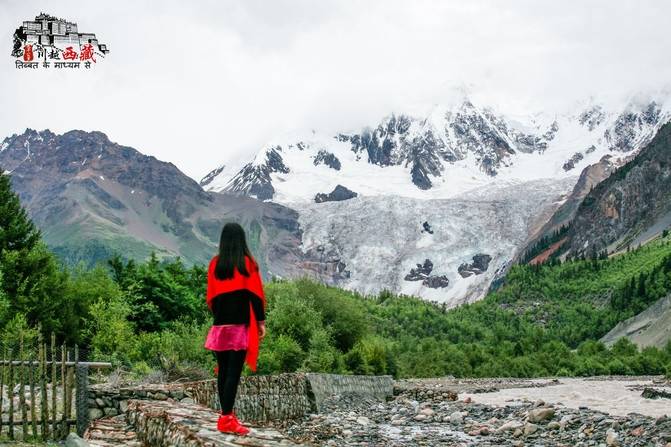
232, 251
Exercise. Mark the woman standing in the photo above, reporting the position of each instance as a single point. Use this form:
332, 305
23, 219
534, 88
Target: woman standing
235, 297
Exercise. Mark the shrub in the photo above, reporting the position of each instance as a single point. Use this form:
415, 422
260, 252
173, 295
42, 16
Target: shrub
112, 335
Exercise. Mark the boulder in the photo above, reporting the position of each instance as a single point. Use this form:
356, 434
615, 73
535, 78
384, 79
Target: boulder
652, 393
427, 411
75, 441
541, 414
95, 413
612, 438
456, 418
530, 429
511, 426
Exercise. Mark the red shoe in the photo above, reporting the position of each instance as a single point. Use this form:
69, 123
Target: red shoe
228, 423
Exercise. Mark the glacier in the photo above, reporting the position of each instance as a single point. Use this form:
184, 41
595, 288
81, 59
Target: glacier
484, 183
380, 238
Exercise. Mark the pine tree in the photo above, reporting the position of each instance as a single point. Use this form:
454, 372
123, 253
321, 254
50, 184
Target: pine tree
641, 286
33, 282
17, 231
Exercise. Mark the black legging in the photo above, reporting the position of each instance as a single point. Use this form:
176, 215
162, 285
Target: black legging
230, 367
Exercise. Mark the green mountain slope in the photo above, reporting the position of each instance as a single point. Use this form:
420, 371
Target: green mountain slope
92, 198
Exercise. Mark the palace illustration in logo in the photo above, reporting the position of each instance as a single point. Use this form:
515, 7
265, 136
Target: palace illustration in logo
50, 39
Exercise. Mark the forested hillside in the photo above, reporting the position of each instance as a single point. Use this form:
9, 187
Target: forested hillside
151, 316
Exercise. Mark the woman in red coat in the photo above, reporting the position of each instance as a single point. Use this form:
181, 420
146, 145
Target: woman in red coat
235, 297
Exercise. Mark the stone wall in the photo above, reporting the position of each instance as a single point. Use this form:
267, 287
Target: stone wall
325, 385
260, 398
106, 401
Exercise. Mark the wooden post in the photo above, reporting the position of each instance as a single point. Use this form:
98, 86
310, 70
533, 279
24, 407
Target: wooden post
81, 395
83, 417
44, 402
54, 382
22, 388
10, 392
70, 380
31, 379
64, 385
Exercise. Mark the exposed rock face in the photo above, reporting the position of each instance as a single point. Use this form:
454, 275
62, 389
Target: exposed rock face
629, 206
592, 117
570, 164
479, 265
380, 144
325, 262
211, 176
436, 282
328, 159
467, 129
589, 177
426, 227
338, 194
423, 273
255, 181
634, 199
255, 178
429, 147
91, 197
622, 137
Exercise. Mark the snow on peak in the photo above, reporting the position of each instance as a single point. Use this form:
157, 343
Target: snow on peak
453, 148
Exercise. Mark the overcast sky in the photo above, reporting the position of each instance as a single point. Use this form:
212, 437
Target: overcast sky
200, 82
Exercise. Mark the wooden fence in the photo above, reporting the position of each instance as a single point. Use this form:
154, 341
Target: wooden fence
42, 396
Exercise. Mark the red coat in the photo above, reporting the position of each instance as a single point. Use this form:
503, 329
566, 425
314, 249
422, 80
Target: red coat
239, 281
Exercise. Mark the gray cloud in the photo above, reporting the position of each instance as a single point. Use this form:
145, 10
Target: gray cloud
198, 83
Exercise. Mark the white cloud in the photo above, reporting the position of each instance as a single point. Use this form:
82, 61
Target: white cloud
197, 83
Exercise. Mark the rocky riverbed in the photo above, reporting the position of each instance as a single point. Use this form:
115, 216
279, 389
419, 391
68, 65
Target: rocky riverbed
432, 415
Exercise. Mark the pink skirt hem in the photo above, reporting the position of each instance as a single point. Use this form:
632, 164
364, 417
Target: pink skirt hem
227, 337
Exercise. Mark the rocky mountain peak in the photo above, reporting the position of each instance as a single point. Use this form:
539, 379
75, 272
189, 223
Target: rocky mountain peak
77, 155
92, 197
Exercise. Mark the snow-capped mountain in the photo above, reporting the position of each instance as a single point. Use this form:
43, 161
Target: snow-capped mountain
448, 152
480, 181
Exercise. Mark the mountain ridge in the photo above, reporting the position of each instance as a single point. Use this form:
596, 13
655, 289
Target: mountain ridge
91, 197
444, 153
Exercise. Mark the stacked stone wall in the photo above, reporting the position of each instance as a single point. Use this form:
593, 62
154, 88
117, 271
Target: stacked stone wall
260, 398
